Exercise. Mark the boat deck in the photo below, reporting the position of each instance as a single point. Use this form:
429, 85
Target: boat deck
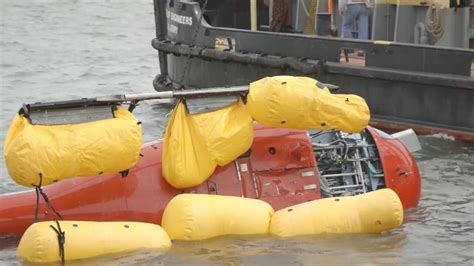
356, 59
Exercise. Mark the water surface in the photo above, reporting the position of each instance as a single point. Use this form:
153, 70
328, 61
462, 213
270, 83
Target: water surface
58, 50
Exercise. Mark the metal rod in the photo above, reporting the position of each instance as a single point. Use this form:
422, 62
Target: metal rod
172, 94
239, 176
211, 91
358, 167
120, 98
347, 186
320, 148
337, 175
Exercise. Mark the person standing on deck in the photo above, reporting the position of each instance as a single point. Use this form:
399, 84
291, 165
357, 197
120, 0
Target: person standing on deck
279, 14
355, 11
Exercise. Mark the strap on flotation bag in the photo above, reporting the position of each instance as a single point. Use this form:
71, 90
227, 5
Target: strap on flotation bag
61, 240
39, 191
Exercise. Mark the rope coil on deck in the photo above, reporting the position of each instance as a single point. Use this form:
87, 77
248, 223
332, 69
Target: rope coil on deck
434, 21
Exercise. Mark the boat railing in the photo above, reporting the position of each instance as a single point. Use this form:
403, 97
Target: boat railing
183, 35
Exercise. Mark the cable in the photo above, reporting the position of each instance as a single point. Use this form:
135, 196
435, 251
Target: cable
39, 191
334, 162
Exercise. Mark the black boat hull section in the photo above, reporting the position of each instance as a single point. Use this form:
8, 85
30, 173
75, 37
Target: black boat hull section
418, 85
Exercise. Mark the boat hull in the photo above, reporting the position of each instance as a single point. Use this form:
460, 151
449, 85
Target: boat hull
402, 83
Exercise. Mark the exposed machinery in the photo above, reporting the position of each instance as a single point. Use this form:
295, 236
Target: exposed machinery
348, 164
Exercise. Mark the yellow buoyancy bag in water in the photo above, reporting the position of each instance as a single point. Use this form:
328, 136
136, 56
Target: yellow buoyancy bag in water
56, 152
39, 244
195, 144
198, 216
373, 212
296, 102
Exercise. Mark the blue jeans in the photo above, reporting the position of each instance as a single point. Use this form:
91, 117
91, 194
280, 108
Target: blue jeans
356, 13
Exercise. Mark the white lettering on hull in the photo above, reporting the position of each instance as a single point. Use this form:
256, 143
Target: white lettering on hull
183, 20
172, 29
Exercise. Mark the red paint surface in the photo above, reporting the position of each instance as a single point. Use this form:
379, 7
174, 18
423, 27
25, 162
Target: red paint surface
280, 169
144, 193
400, 169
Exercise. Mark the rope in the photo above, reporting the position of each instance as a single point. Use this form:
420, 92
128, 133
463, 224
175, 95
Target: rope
39, 191
434, 21
61, 240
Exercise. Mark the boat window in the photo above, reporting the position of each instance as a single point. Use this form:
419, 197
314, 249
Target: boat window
235, 14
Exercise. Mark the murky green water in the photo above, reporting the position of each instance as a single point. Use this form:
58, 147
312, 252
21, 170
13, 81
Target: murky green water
58, 50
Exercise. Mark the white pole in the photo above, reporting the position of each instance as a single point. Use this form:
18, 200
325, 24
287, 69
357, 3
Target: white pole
253, 15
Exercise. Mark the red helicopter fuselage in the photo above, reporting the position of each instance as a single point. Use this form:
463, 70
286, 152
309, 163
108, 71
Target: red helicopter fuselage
280, 168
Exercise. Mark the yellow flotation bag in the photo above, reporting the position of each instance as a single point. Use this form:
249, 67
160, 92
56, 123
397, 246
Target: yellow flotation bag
296, 102
195, 144
82, 240
373, 212
198, 216
56, 152
227, 132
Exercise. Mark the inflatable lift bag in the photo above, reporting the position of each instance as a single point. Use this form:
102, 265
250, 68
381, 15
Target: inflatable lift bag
373, 212
195, 144
199, 216
39, 244
56, 152
296, 102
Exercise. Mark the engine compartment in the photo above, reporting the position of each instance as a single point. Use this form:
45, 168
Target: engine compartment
348, 163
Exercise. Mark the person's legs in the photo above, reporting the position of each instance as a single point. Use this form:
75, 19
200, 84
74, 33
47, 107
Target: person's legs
363, 22
348, 21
